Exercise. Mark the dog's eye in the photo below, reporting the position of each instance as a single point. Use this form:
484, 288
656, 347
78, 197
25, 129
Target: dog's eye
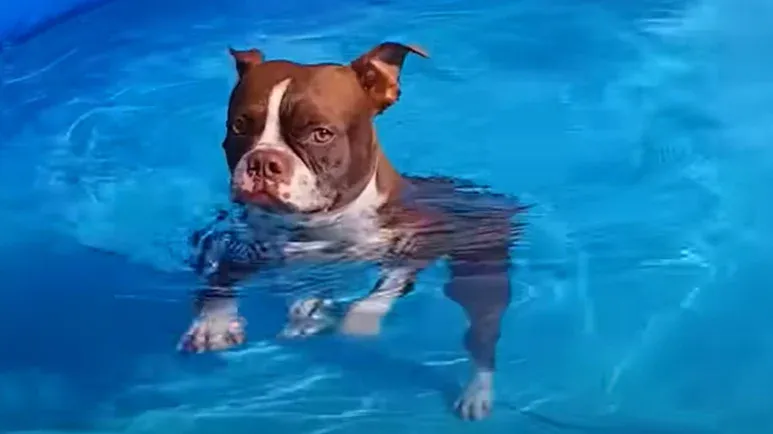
240, 125
321, 135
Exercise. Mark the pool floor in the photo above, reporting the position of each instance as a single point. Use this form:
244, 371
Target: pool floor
641, 134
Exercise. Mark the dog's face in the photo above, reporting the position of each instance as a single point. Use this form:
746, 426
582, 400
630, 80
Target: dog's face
300, 138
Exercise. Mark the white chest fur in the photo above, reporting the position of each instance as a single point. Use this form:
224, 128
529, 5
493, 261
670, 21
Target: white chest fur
355, 228
357, 225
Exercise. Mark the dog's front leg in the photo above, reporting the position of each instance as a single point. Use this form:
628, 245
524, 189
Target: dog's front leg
412, 248
364, 316
222, 260
217, 324
421, 239
361, 317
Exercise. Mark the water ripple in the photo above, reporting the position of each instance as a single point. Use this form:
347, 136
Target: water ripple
640, 132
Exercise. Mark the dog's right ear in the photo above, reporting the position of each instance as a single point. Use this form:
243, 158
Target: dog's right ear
246, 59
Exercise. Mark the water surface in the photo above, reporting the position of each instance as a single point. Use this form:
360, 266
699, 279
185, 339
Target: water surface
642, 134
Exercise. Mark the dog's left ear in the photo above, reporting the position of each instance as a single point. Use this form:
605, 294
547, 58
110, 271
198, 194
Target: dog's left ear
246, 59
378, 71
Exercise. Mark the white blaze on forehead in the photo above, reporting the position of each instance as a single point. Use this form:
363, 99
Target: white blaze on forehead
272, 131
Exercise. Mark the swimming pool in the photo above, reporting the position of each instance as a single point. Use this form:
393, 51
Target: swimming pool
640, 132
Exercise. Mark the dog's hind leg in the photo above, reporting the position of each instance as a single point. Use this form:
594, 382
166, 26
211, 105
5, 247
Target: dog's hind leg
480, 284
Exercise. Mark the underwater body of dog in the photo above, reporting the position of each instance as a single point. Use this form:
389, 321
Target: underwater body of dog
312, 183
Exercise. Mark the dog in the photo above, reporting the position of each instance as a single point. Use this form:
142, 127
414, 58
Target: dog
311, 181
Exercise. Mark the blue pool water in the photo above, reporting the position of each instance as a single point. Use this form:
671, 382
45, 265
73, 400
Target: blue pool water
641, 132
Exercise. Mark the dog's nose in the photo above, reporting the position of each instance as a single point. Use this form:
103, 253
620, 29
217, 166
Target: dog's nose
269, 165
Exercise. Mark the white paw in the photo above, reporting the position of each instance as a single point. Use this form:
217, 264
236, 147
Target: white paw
213, 332
308, 317
364, 318
476, 401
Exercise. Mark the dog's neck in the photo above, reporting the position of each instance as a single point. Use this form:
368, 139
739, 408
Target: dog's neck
388, 182
383, 185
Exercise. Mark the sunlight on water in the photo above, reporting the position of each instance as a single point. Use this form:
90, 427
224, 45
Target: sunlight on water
641, 133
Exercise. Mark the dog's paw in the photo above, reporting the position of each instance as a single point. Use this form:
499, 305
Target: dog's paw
213, 332
309, 317
476, 401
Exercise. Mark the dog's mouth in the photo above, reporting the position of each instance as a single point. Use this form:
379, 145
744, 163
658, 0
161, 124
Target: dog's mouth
263, 196
266, 202
270, 200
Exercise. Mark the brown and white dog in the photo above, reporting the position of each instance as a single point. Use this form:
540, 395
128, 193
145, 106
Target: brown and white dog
301, 147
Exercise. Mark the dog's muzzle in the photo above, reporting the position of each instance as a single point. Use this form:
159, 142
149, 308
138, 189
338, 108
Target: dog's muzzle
259, 175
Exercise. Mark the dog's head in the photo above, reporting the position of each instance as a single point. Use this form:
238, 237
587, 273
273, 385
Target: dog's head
300, 138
